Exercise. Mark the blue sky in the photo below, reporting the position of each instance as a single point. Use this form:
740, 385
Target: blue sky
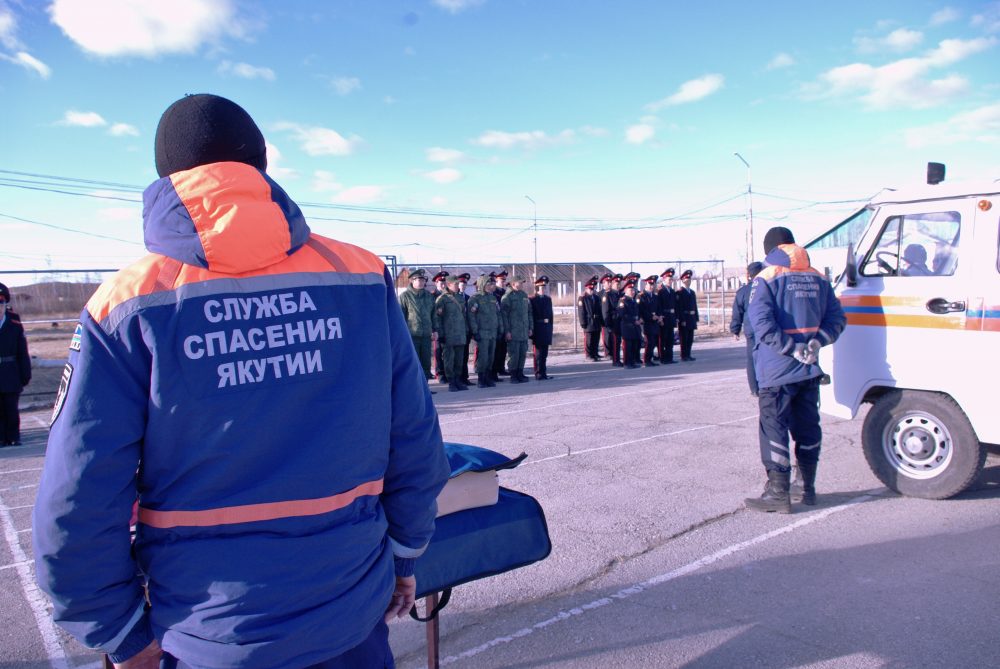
422, 125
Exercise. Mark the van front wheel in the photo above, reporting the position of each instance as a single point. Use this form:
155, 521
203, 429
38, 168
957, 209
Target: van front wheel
921, 444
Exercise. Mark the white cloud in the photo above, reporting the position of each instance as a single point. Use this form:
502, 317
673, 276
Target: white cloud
123, 130
456, 6
445, 175
904, 83
436, 154
945, 15
82, 119
317, 141
8, 28
899, 40
439, 201
389, 100
981, 126
345, 85
591, 131
534, 139
245, 71
28, 62
690, 91
780, 60
145, 28
639, 133
326, 182
989, 20
409, 51
275, 166
359, 195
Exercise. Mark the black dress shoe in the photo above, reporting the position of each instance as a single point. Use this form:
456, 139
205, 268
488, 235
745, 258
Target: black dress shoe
617, 364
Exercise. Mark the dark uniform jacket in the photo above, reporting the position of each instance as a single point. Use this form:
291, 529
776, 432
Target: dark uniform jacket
15, 365
588, 310
418, 308
515, 309
484, 314
740, 321
542, 315
628, 315
449, 319
649, 312
609, 309
687, 308
668, 306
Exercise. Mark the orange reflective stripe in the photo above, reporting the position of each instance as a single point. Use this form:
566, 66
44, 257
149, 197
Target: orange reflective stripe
801, 330
249, 513
139, 278
350, 258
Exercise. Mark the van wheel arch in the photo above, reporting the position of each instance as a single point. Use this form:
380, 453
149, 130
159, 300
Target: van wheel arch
920, 443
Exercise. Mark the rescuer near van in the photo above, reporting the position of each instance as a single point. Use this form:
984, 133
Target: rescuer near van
793, 313
254, 387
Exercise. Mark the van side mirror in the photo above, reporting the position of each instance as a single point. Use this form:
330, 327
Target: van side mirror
851, 271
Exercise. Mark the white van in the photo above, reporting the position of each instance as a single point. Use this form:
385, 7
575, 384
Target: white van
922, 296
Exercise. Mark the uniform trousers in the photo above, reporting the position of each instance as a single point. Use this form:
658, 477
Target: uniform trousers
667, 343
499, 356
612, 345
10, 419
439, 366
485, 349
452, 355
789, 409
590, 343
423, 347
631, 347
751, 372
652, 336
465, 360
372, 653
540, 356
517, 351
687, 341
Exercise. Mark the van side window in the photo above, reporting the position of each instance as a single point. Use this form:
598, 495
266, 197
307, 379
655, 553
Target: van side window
916, 245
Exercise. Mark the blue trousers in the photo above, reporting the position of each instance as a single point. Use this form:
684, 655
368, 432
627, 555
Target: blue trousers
372, 653
789, 409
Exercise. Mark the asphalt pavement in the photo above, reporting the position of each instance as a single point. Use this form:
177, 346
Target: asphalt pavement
655, 562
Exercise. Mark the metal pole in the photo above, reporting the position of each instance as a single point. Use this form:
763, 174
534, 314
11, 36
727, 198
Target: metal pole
749, 211
433, 632
722, 265
535, 225
573, 312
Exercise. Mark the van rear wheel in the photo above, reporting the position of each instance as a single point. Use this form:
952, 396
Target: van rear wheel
921, 444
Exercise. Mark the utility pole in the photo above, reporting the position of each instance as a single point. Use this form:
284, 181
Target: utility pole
749, 211
535, 219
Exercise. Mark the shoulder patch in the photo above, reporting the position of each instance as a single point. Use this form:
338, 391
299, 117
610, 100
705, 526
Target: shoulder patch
67, 376
74, 343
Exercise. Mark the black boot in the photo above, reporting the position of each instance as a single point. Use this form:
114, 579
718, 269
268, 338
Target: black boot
775, 497
805, 491
453, 387
481, 383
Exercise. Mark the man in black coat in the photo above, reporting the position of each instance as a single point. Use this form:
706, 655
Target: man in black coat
588, 311
500, 354
439, 290
740, 323
668, 309
542, 316
15, 370
687, 315
649, 312
630, 325
463, 282
609, 313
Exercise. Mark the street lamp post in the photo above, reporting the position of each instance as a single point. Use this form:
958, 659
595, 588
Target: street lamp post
535, 225
749, 211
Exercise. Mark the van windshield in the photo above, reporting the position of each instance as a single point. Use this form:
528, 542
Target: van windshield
923, 244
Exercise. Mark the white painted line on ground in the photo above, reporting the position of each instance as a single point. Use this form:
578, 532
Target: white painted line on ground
592, 397
18, 471
660, 579
19, 487
14, 565
636, 441
34, 596
4, 507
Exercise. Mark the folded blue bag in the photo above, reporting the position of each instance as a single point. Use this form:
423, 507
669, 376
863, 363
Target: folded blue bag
485, 541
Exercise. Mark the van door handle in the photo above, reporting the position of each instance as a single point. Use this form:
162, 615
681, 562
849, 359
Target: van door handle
939, 305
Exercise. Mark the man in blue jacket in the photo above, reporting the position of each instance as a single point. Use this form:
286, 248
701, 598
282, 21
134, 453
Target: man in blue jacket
793, 313
740, 322
253, 387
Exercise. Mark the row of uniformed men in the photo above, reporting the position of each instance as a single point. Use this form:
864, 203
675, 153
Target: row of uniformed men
623, 318
499, 318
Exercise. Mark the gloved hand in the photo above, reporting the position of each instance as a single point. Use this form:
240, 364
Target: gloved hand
812, 351
800, 352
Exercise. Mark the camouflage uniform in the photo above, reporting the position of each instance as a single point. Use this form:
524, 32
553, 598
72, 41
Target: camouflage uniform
418, 310
450, 324
485, 325
516, 311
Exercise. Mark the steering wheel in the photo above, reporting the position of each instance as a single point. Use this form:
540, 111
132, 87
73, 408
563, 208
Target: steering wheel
883, 264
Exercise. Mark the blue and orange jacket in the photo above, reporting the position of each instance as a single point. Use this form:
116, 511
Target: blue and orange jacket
790, 303
255, 387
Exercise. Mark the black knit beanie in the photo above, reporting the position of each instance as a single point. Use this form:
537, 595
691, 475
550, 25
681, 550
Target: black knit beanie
202, 129
777, 236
